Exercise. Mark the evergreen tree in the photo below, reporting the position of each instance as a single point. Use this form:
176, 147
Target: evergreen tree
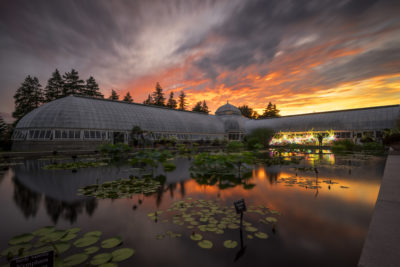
148, 101
204, 107
28, 97
3, 127
114, 95
197, 107
54, 87
171, 101
248, 112
92, 88
72, 84
182, 101
158, 96
128, 98
270, 112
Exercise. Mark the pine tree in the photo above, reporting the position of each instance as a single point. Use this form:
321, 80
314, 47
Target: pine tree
158, 96
204, 107
148, 101
3, 127
114, 95
92, 88
72, 84
54, 87
128, 98
182, 101
198, 107
28, 97
270, 112
171, 101
248, 112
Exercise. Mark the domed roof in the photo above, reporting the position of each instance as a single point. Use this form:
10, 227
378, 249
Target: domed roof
228, 109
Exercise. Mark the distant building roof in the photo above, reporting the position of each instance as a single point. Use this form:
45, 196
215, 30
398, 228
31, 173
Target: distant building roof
228, 109
373, 118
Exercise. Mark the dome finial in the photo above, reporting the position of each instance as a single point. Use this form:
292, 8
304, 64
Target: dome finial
227, 101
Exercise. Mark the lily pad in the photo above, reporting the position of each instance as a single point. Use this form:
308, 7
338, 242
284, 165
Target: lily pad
250, 237
74, 230
20, 239
91, 250
261, 235
15, 250
271, 219
122, 254
53, 236
69, 236
93, 233
250, 229
62, 247
75, 259
101, 258
196, 237
207, 244
230, 244
111, 242
86, 241
108, 264
43, 231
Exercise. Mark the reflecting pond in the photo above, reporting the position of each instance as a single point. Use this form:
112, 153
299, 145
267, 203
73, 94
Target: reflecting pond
323, 206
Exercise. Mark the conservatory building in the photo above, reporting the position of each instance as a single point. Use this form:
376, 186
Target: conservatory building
83, 123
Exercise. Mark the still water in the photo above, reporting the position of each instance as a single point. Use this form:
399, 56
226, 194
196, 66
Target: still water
324, 216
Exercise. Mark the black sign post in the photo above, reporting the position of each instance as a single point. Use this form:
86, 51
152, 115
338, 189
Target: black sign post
240, 207
45, 259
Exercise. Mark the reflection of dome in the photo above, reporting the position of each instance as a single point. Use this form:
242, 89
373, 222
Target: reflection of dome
228, 109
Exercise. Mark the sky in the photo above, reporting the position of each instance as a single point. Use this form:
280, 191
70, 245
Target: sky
304, 56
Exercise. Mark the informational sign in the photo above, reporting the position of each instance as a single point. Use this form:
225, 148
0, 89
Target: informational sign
240, 206
45, 259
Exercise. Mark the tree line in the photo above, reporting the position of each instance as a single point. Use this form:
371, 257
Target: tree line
269, 112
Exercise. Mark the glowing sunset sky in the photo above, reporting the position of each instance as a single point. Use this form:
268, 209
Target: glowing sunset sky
304, 56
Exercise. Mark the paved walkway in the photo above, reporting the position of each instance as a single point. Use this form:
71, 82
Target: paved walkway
382, 245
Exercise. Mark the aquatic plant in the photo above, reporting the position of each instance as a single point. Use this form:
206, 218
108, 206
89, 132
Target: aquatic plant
70, 249
121, 188
74, 165
212, 218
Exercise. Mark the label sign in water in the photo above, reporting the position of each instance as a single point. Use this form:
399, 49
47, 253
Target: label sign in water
45, 259
240, 206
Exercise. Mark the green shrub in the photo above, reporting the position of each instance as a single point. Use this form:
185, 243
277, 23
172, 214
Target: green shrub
343, 145
262, 136
114, 149
373, 146
234, 146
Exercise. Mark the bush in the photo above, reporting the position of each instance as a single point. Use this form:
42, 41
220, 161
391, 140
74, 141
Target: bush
373, 146
114, 150
234, 146
343, 145
262, 136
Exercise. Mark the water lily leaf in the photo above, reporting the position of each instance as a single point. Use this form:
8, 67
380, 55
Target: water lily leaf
108, 264
122, 254
20, 239
196, 237
91, 250
53, 236
75, 259
233, 226
62, 247
230, 244
93, 233
250, 237
261, 235
207, 244
15, 250
86, 241
271, 219
251, 229
74, 230
68, 237
101, 258
111, 242
44, 230
219, 231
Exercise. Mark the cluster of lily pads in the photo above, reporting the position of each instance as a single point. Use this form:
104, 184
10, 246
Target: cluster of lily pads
212, 218
85, 248
307, 183
121, 188
74, 165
